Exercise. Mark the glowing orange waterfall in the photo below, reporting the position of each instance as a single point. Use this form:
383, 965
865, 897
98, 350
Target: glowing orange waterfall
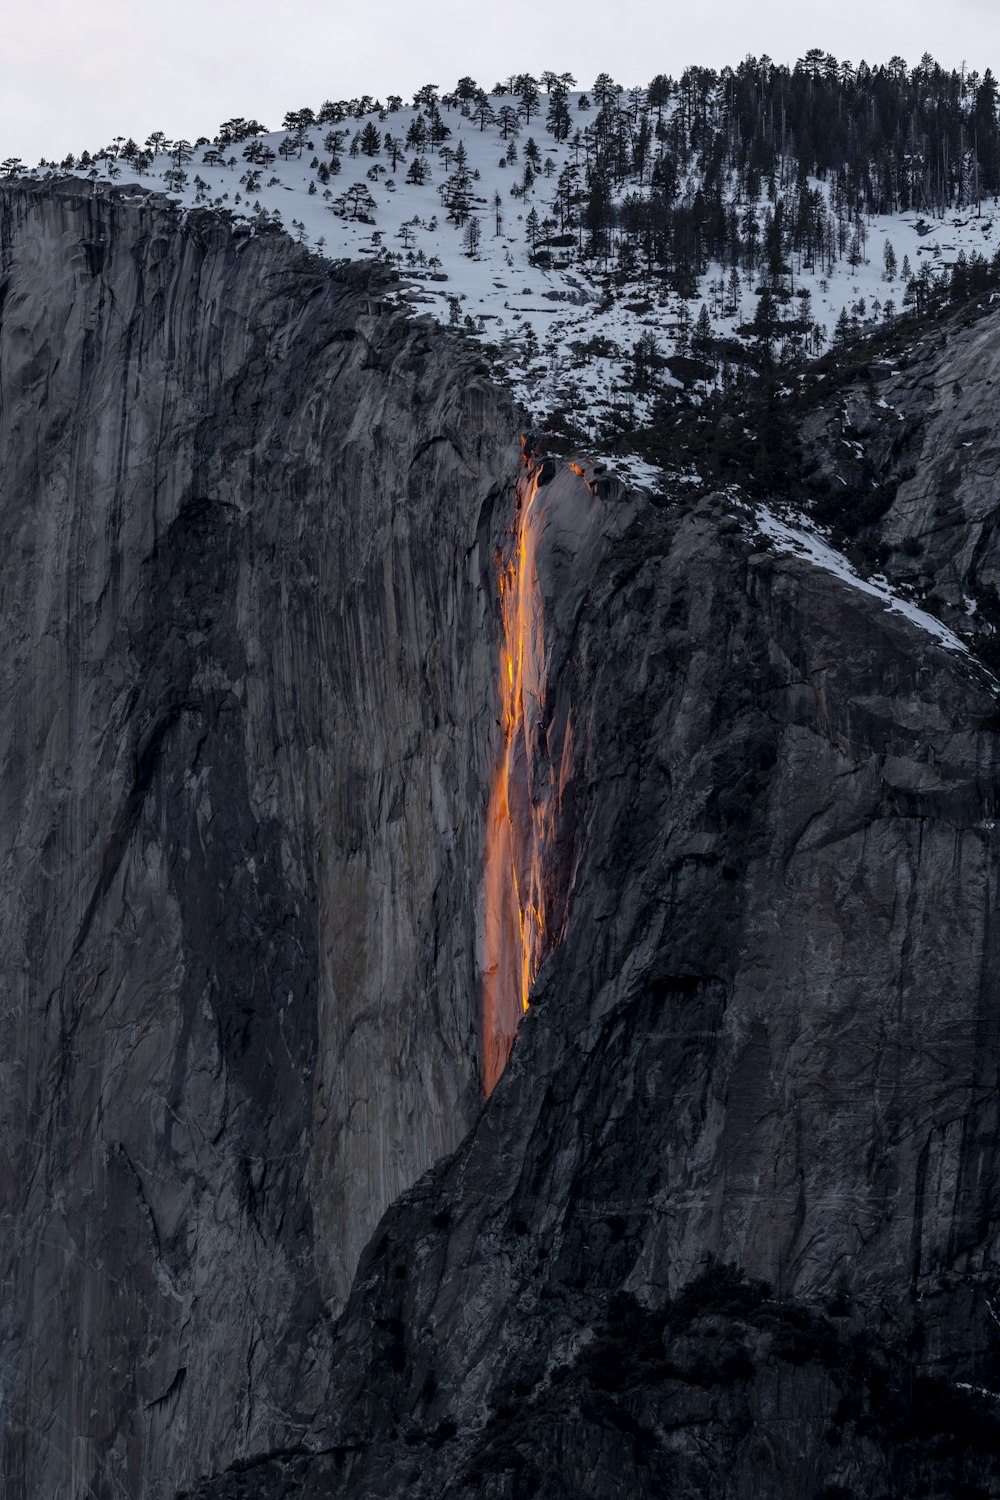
520, 822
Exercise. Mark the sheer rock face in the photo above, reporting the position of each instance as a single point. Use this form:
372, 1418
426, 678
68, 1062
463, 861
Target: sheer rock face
247, 729
926, 433
947, 497
770, 1036
249, 734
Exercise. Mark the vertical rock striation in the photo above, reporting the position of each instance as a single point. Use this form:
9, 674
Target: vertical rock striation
729, 1224
247, 733
922, 441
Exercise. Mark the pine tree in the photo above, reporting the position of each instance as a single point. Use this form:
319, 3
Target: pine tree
416, 135
456, 190
598, 213
682, 330
371, 141
558, 119
297, 122
508, 121
889, 260
658, 94
605, 91
764, 327
357, 203
526, 88
439, 131
483, 112
646, 359
701, 338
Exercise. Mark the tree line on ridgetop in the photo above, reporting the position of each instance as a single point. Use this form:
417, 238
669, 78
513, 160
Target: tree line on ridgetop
762, 170
887, 138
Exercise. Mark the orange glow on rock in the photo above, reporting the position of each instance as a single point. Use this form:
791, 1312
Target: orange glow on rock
525, 798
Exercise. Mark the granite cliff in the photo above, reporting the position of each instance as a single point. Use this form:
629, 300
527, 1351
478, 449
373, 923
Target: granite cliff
727, 1223
248, 733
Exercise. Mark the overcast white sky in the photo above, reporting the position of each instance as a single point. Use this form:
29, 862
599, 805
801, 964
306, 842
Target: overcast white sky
73, 74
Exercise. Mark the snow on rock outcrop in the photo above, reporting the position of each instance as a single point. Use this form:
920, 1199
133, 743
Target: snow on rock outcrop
803, 540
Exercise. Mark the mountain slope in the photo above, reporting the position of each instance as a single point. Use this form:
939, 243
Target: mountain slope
727, 1222
626, 244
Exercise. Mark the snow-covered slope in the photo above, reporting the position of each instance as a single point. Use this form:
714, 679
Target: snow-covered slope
563, 335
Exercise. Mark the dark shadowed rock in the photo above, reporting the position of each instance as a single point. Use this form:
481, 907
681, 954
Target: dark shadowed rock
915, 456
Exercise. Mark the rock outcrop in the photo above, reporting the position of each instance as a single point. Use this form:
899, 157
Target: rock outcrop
728, 1224
919, 434
767, 1048
247, 736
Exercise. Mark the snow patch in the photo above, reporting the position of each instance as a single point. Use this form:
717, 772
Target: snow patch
805, 542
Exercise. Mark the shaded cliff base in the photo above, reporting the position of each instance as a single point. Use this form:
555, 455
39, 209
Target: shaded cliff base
723, 1391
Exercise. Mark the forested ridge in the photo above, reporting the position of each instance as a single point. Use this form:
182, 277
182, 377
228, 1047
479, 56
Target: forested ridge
715, 226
